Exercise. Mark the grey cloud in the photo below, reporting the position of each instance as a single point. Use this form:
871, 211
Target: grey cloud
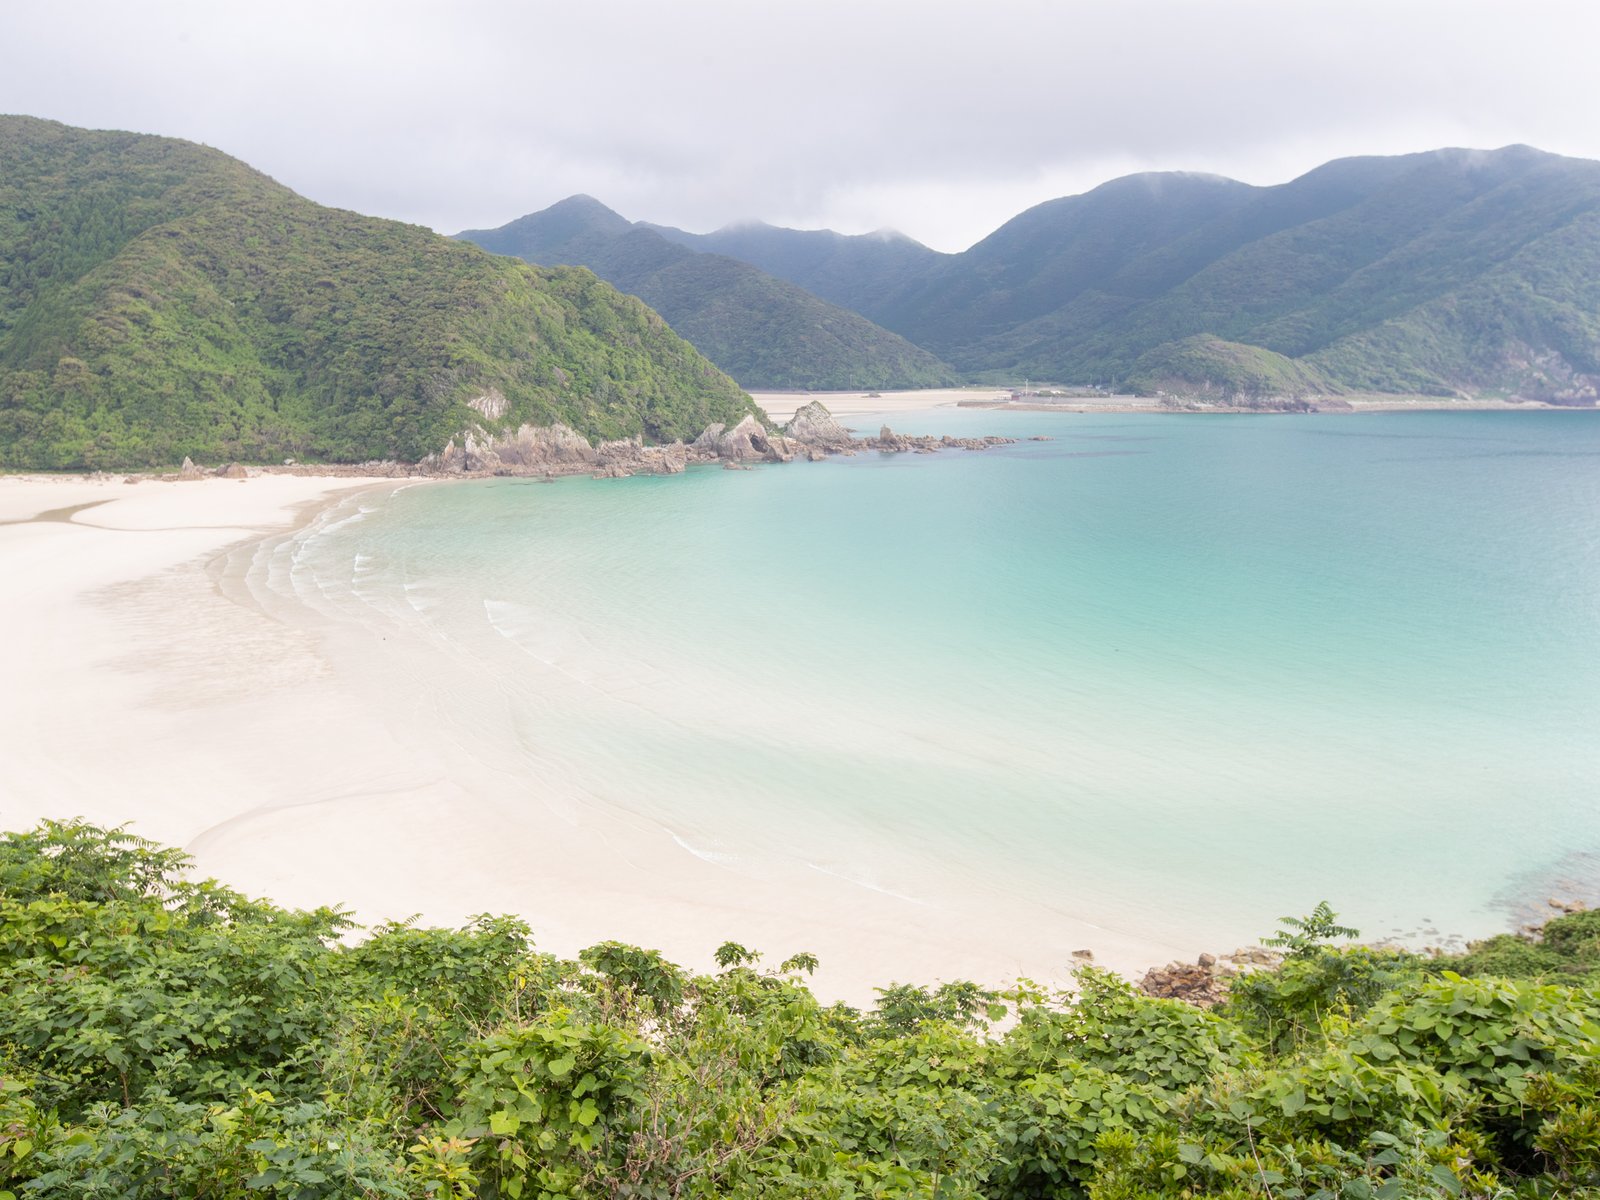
941, 119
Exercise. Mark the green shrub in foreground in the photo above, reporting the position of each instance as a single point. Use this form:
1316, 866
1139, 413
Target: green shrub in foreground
161, 1037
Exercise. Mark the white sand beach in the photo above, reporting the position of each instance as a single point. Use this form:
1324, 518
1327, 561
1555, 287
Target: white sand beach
143, 687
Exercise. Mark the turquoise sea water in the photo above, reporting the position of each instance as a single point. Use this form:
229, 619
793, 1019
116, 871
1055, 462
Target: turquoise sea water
1176, 675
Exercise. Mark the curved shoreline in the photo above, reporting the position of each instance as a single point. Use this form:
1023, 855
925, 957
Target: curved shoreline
158, 693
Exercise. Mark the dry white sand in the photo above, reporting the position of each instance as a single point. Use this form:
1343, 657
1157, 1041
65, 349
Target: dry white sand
143, 686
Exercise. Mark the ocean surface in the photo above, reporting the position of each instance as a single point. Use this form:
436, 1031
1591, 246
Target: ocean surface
1174, 675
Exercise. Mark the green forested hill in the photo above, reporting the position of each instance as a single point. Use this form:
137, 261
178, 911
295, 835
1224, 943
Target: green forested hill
854, 271
1444, 272
765, 332
160, 299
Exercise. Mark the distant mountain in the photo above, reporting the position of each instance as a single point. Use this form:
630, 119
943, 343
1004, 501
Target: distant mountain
1429, 273
1444, 272
160, 299
764, 331
856, 271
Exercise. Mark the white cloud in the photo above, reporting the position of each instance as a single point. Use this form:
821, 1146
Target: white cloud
940, 119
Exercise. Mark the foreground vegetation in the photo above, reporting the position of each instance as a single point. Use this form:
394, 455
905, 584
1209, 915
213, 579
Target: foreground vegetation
160, 1037
160, 299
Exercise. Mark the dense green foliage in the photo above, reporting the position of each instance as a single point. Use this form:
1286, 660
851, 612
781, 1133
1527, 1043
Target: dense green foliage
1203, 366
160, 1037
1436, 273
159, 299
763, 331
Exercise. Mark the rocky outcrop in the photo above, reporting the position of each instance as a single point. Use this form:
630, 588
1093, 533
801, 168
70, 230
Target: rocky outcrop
813, 425
530, 450
1204, 982
813, 434
746, 441
630, 456
232, 471
890, 442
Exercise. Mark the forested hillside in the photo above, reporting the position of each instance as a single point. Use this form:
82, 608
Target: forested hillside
856, 271
1449, 272
160, 299
763, 331
161, 1037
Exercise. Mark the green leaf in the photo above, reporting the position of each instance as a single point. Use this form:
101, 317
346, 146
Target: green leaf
1446, 1178
503, 1123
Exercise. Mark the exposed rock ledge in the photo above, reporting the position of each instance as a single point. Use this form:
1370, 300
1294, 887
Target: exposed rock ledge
557, 450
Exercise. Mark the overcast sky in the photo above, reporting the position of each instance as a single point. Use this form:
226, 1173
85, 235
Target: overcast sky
941, 120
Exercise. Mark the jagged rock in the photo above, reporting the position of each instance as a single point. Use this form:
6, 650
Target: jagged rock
1205, 982
547, 451
745, 440
656, 460
890, 442
189, 470
813, 424
543, 446
232, 471
1083, 955
782, 449
621, 450
1189, 982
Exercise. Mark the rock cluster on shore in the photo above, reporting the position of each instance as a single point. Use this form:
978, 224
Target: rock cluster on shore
542, 451
812, 434
1204, 982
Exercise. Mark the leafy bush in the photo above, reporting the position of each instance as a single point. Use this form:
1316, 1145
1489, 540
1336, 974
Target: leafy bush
163, 1037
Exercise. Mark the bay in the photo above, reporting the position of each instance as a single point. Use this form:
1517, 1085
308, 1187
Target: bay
1174, 675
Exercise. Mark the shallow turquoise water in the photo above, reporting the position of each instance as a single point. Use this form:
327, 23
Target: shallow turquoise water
1180, 675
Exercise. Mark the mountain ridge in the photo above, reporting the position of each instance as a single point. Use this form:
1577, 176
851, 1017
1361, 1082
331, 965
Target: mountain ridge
764, 331
1444, 272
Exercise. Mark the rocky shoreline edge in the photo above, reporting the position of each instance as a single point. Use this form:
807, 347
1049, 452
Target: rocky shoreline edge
549, 451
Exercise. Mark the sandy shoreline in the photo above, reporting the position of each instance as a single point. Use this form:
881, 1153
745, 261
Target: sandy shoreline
154, 687
153, 681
